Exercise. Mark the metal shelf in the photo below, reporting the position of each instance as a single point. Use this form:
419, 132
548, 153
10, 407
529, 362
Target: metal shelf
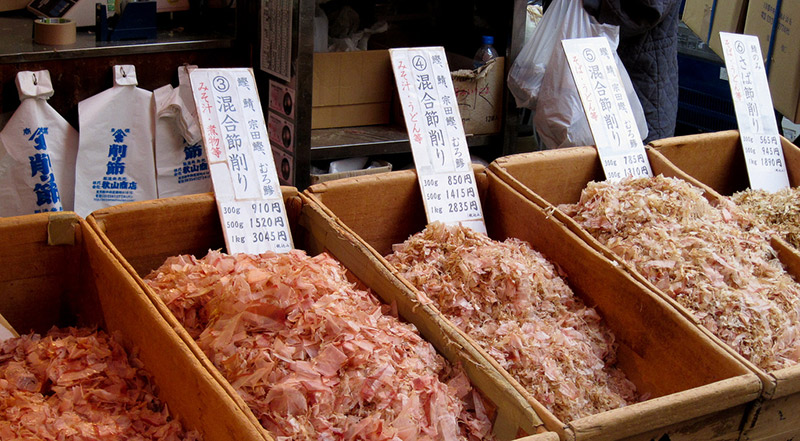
18, 47
327, 144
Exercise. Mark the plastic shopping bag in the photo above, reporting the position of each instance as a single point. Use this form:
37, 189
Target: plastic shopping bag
37, 152
181, 163
115, 157
540, 78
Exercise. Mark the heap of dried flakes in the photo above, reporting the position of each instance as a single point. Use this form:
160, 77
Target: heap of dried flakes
715, 261
314, 357
78, 384
513, 302
779, 211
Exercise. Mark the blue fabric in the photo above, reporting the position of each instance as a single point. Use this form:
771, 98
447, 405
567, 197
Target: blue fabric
648, 48
771, 47
711, 21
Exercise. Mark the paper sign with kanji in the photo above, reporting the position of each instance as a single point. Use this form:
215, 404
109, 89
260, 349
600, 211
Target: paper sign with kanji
607, 108
758, 127
437, 138
242, 166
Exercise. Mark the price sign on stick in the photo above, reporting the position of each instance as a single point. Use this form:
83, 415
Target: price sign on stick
758, 128
243, 170
607, 108
438, 143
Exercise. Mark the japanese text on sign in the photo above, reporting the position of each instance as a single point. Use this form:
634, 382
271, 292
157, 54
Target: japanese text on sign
276, 38
436, 134
619, 143
752, 102
242, 166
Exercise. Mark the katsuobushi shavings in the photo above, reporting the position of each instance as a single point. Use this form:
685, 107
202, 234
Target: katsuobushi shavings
779, 211
313, 356
79, 384
716, 261
513, 302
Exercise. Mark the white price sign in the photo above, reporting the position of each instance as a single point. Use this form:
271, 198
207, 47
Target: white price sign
758, 127
243, 170
607, 108
437, 138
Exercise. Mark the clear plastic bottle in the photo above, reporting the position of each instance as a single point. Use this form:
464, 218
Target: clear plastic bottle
485, 53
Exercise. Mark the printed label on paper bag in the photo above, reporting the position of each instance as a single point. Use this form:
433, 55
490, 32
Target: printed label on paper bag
115, 161
436, 134
619, 143
752, 101
38, 148
243, 171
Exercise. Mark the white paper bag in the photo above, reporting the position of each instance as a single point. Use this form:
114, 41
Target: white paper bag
115, 158
37, 152
181, 163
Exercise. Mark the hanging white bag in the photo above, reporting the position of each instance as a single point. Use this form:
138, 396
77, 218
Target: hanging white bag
540, 78
115, 157
181, 163
37, 152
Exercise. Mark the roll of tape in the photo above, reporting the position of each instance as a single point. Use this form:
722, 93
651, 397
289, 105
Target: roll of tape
54, 31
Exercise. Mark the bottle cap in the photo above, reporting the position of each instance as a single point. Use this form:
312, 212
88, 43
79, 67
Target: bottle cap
488, 39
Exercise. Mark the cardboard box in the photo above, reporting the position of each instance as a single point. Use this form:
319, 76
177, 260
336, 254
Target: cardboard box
715, 162
11, 5
351, 89
480, 96
143, 234
699, 391
55, 271
383, 167
784, 68
558, 176
728, 16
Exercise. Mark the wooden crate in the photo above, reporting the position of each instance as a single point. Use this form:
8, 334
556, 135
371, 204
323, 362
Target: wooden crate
143, 234
54, 271
699, 391
556, 177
